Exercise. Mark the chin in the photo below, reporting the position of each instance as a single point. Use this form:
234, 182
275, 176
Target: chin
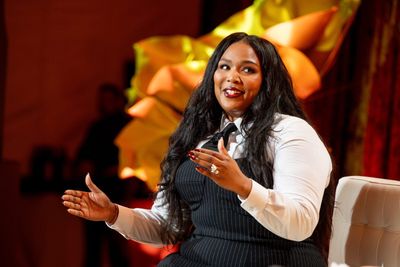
233, 114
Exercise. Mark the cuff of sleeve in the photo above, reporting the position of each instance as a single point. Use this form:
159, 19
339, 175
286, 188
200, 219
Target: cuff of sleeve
257, 197
122, 219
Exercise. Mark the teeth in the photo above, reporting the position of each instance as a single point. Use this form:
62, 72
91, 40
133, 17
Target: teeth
232, 91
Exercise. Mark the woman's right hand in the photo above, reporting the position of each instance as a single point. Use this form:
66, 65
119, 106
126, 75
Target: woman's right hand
93, 205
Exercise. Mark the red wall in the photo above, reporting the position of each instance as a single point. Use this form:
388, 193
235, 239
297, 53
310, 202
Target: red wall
60, 51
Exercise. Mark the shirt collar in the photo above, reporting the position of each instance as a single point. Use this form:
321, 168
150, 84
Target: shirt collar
225, 121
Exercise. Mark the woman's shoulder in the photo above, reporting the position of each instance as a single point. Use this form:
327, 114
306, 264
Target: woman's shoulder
287, 125
297, 134
285, 121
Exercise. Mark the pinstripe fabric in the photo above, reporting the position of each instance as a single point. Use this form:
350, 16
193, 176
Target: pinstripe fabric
226, 235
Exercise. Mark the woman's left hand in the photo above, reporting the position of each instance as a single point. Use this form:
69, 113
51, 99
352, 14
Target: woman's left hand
222, 169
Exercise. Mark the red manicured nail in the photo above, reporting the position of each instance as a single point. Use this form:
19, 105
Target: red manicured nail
191, 155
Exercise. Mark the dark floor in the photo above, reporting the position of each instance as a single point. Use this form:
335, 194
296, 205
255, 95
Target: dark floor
37, 231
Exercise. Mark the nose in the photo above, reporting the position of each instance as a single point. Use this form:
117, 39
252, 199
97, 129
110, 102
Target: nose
233, 77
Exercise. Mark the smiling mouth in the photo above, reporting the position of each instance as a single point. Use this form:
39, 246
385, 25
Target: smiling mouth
232, 92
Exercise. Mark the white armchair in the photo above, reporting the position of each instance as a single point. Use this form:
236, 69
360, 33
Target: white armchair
366, 223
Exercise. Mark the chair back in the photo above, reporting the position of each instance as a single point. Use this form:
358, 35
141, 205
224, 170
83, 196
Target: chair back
366, 222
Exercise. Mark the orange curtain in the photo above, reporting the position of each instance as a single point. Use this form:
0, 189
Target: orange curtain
358, 113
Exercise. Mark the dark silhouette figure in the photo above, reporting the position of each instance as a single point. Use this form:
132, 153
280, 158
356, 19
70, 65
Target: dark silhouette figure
98, 155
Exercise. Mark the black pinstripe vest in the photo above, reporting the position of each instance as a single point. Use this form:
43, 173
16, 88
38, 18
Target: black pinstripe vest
226, 235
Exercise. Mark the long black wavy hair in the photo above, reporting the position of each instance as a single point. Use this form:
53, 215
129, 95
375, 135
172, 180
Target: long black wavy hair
202, 118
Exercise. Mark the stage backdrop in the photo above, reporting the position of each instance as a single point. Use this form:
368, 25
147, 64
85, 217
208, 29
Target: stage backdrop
59, 52
358, 112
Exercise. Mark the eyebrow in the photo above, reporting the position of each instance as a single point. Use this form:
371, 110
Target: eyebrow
243, 62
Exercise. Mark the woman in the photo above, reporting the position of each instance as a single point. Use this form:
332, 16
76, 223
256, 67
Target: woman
255, 199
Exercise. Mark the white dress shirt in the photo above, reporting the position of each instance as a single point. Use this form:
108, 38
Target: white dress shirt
302, 168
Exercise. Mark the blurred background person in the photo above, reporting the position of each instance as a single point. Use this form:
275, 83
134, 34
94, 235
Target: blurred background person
98, 155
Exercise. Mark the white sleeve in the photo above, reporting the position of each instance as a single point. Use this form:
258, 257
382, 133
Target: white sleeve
141, 225
302, 167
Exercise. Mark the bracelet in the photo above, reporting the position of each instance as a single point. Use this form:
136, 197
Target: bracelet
115, 214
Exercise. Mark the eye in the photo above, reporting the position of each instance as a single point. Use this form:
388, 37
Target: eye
223, 66
249, 70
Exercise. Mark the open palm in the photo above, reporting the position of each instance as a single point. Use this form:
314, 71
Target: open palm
93, 205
